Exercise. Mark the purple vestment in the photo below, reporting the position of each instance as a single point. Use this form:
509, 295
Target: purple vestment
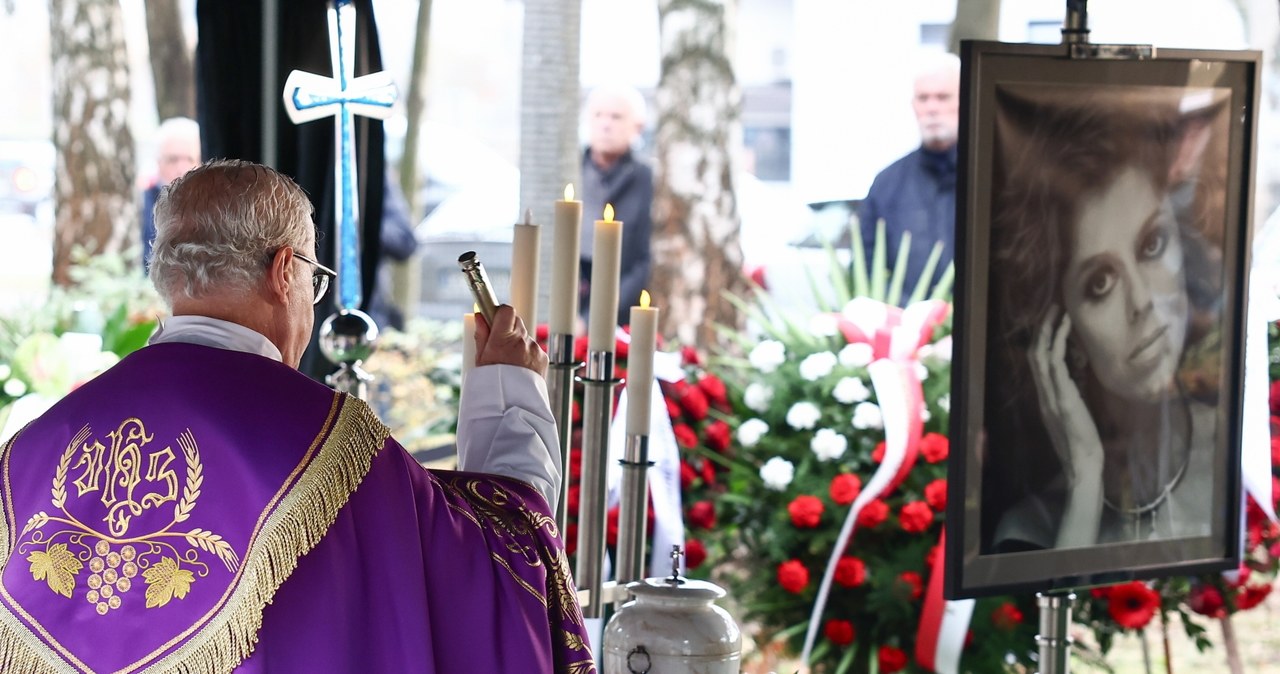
197, 509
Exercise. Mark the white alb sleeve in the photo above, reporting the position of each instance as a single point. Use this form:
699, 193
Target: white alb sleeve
505, 427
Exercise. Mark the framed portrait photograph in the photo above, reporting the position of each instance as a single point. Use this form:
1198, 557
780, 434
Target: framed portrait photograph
1104, 209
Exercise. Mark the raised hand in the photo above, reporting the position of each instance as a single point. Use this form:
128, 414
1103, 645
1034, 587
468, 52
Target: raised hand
507, 342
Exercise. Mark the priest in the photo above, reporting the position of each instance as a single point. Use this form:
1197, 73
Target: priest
204, 507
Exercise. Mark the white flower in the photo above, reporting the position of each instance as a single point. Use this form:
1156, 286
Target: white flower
828, 445
750, 432
777, 473
851, 390
768, 355
942, 349
823, 325
15, 388
922, 372
944, 402
757, 396
817, 366
857, 354
925, 415
5, 371
867, 415
803, 415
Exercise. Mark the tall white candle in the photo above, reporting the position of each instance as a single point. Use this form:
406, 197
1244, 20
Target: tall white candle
606, 261
564, 264
524, 270
644, 338
468, 344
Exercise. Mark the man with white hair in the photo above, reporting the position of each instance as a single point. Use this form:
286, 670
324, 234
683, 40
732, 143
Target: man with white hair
204, 506
177, 151
917, 193
612, 175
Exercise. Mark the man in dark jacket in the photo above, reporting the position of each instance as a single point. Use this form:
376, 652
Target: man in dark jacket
612, 175
917, 193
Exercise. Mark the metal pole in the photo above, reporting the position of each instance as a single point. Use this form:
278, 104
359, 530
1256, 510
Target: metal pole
560, 391
270, 83
1054, 638
1075, 28
597, 413
633, 508
348, 338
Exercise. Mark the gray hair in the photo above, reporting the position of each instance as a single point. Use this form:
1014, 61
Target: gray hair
177, 127
629, 95
218, 225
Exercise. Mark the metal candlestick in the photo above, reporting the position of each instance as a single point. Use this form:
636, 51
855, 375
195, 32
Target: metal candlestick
560, 391
633, 508
348, 338
597, 413
1054, 639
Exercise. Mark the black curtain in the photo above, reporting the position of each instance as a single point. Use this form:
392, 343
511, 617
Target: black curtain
229, 56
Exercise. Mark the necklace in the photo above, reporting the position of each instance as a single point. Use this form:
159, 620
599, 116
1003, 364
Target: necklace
1134, 515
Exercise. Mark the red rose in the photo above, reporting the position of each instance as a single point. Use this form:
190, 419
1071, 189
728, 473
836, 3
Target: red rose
806, 511
839, 632
877, 454
685, 436
793, 576
542, 333
845, 488
689, 356
571, 502
673, 409
935, 494
575, 464
575, 412
850, 572
702, 515
717, 436
1207, 600
1132, 604
1275, 451
708, 472
912, 584
1006, 617
611, 526
1275, 398
694, 401
1251, 595
580, 348
934, 447
571, 538
915, 517
891, 660
687, 475
714, 388
621, 348
873, 514
695, 553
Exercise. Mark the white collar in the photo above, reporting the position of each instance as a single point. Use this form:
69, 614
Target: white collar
214, 332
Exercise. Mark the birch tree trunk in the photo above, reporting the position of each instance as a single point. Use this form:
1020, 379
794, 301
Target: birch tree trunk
171, 62
975, 20
407, 276
549, 102
95, 204
697, 257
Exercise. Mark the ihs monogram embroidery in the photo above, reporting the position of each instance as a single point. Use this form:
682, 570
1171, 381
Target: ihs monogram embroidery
129, 479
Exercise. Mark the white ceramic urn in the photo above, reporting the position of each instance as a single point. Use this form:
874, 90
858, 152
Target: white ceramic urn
672, 627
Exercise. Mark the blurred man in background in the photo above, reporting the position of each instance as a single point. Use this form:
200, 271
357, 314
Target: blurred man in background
177, 151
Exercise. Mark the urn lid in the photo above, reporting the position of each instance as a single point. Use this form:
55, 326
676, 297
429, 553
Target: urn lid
677, 589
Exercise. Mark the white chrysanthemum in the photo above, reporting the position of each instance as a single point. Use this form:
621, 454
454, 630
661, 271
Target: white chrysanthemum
867, 415
817, 366
750, 432
777, 473
768, 355
15, 388
828, 445
757, 396
823, 325
857, 354
4, 372
851, 390
803, 415
944, 402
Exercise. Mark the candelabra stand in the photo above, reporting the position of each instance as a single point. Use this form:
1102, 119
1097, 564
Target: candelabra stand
560, 391
597, 414
1054, 639
633, 509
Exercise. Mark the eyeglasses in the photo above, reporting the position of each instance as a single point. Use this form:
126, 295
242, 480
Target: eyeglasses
320, 279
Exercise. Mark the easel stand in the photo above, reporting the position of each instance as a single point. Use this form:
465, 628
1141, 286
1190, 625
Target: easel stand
1054, 637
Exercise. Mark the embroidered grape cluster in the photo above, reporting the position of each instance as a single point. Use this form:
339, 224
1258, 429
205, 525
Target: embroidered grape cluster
113, 572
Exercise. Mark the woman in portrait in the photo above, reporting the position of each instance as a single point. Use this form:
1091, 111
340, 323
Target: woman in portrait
1102, 365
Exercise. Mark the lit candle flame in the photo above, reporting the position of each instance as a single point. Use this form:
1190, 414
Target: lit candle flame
644, 299
608, 212
568, 192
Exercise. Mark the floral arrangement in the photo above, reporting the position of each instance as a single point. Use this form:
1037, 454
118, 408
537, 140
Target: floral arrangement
417, 372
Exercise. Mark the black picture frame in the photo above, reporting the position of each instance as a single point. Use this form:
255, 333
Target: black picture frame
1102, 252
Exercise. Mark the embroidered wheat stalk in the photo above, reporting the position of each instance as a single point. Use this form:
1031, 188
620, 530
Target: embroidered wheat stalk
195, 477
59, 490
211, 542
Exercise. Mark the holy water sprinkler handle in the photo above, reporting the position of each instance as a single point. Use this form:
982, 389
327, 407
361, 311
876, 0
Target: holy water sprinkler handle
478, 281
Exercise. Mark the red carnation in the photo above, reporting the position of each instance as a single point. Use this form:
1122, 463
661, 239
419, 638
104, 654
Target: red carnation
575, 412
695, 553
1006, 617
806, 511
935, 494
1275, 450
839, 632
571, 538
689, 356
717, 436
580, 348
687, 475
1207, 600
621, 348
912, 583
1251, 595
611, 526
575, 464
877, 454
575, 493
850, 572
685, 436
931, 557
702, 515
1132, 604
873, 514
793, 576
542, 333
708, 472
934, 447
891, 659
845, 488
694, 401
915, 517
714, 388
673, 408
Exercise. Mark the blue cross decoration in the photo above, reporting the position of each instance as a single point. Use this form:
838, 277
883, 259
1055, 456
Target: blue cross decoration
308, 97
